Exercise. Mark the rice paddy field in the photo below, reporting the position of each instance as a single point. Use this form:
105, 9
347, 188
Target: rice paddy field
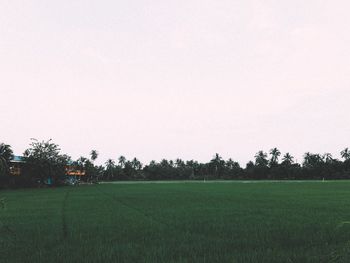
178, 222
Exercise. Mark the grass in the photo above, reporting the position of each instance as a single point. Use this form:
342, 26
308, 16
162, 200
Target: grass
178, 222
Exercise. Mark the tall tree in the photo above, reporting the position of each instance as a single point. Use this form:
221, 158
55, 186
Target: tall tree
93, 170
328, 157
218, 164
136, 164
179, 163
110, 166
345, 154
230, 164
312, 160
287, 159
261, 159
275, 154
81, 162
122, 161
93, 155
6, 155
45, 161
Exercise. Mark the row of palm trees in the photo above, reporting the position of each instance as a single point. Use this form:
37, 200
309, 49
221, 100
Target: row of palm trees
271, 165
266, 165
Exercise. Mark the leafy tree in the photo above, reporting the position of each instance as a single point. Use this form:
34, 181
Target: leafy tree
45, 162
250, 165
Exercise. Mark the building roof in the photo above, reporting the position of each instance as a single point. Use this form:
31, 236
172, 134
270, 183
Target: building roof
18, 159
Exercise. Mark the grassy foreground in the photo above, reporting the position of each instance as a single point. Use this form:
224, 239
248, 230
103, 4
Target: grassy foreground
178, 222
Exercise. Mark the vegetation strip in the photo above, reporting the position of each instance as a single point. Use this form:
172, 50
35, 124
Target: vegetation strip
43, 164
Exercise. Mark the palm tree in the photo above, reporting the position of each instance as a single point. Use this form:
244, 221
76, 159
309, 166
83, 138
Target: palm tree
231, 164
110, 165
217, 162
165, 163
6, 155
81, 162
193, 165
328, 157
345, 154
261, 158
312, 160
179, 163
275, 153
93, 155
288, 159
122, 161
136, 164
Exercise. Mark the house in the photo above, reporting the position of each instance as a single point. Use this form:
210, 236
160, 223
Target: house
73, 170
18, 163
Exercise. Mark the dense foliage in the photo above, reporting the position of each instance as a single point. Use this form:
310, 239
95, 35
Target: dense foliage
46, 164
6, 155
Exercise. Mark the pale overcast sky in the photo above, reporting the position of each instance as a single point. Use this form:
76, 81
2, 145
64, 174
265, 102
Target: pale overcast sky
167, 79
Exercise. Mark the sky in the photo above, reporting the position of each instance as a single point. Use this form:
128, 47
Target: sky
168, 79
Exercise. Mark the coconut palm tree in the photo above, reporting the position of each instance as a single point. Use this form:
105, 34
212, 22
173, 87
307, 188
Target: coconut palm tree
288, 159
110, 165
312, 160
93, 170
261, 158
231, 164
275, 154
122, 161
345, 154
93, 155
136, 164
328, 157
179, 163
218, 163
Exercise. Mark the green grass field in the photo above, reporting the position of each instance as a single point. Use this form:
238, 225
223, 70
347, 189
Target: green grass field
178, 222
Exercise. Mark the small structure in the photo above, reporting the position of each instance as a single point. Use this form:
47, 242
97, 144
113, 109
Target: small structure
16, 165
18, 162
74, 174
73, 170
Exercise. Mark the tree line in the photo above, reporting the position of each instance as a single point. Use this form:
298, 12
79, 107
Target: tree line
45, 163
